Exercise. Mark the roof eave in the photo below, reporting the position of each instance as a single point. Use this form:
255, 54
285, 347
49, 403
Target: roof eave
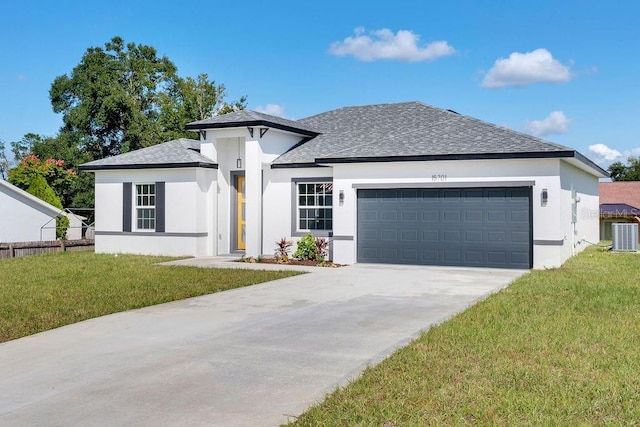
296, 165
91, 168
566, 154
195, 126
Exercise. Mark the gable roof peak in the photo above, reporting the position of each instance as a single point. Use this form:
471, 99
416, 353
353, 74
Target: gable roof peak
250, 118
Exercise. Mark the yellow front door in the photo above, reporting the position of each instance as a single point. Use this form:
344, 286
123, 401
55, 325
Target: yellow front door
240, 208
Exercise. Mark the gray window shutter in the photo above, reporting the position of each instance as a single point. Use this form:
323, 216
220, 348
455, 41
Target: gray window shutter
160, 207
126, 206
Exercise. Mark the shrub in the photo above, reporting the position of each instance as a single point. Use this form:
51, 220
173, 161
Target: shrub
306, 248
282, 250
62, 225
322, 249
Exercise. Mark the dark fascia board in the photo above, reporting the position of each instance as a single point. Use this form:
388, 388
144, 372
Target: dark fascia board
149, 166
250, 123
622, 208
480, 156
588, 162
296, 165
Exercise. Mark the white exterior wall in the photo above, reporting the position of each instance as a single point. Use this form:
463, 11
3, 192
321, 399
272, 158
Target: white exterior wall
552, 238
586, 228
189, 207
226, 146
22, 219
279, 209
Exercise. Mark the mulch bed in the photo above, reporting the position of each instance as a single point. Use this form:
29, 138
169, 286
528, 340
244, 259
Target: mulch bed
292, 261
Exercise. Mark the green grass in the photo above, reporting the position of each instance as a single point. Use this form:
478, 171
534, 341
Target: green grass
557, 347
43, 292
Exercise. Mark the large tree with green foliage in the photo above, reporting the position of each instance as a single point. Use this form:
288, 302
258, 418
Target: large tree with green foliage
193, 99
124, 97
111, 98
629, 172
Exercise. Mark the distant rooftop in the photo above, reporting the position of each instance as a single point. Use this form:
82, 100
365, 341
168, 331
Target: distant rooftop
620, 192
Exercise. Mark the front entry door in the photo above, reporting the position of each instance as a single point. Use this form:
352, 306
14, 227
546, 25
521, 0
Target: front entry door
241, 222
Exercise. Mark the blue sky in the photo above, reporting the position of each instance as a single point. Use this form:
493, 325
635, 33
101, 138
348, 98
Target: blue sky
566, 71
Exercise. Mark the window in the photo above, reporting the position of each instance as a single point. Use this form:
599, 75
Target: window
315, 201
146, 206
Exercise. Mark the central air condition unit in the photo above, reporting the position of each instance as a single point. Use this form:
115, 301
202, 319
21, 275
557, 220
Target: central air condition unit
625, 236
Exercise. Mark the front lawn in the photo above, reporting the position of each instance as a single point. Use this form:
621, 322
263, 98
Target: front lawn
557, 347
43, 292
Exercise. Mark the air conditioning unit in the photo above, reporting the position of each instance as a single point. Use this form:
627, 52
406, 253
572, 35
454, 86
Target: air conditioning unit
625, 236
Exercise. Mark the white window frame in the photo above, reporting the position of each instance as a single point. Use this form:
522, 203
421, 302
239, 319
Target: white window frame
325, 195
148, 205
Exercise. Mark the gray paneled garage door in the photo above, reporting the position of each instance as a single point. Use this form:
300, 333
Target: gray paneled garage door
480, 227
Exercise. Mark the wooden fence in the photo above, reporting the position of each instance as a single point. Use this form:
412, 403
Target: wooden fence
20, 249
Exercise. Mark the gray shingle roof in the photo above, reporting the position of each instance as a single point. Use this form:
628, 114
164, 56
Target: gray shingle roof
251, 118
410, 129
383, 132
177, 153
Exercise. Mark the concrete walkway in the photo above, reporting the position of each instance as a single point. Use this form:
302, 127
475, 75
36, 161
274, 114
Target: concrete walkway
252, 356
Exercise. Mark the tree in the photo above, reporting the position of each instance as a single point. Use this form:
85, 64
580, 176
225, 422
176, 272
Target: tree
193, 99
125, 97
628, 172
111, 99
57, 177
4, 162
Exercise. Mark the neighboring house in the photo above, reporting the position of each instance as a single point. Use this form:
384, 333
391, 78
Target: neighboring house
76, 226
23, 217
619, 202
391, 183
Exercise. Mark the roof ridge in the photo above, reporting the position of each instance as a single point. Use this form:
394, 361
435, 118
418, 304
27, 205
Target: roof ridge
367, 106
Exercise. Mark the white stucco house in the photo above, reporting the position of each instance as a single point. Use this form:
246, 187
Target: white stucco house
23, 217
390, 183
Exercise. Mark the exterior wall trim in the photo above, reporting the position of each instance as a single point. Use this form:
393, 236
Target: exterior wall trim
347, 238
559, 242
147, 234
149, 166
461, 184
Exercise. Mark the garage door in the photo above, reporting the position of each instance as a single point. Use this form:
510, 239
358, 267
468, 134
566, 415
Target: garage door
479, 227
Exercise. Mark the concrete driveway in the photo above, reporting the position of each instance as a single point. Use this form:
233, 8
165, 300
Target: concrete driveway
252, 356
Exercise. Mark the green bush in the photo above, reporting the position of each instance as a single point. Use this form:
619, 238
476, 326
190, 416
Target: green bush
43, 191
306, 248
62, 224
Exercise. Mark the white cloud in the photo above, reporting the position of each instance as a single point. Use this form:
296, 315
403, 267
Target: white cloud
556, 122
384, 44
605, 152
22, 78
604, 155
272, 109
522, 69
